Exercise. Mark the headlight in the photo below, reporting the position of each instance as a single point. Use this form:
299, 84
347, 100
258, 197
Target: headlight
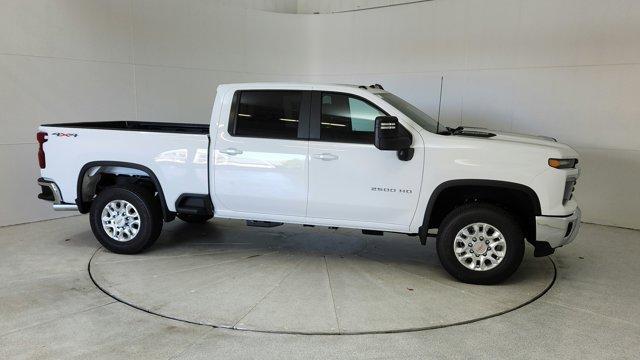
563, 163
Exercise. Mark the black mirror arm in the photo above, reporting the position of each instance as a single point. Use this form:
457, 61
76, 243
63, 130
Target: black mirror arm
405, 154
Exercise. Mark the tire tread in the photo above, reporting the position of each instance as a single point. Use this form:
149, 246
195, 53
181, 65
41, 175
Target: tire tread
507, 224
151, 215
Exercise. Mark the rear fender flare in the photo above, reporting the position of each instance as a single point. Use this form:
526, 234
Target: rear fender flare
83, 206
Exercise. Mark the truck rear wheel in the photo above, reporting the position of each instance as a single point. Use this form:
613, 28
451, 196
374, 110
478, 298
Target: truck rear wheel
126, 219
480, 244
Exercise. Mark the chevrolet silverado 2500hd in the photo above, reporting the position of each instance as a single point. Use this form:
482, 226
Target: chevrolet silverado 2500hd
326, 155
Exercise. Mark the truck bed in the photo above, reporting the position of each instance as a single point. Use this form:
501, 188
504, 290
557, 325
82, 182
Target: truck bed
176, 154
183, 128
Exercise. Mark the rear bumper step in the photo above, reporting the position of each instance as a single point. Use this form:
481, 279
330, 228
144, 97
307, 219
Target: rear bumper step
51, 192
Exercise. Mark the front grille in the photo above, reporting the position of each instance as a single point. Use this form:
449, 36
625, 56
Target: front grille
569, 186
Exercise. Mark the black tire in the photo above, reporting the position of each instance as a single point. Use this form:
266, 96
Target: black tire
194, 219
498, 218
149, 213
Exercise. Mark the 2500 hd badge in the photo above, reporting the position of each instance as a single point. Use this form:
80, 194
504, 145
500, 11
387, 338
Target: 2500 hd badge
391, 190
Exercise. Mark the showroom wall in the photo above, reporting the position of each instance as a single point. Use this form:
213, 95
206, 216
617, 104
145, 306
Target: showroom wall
336, 6
82, 60
568, 69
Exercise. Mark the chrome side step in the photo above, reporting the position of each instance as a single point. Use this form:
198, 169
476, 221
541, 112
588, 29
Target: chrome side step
65, 207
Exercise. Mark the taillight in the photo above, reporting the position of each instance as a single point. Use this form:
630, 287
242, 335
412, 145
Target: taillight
42, 138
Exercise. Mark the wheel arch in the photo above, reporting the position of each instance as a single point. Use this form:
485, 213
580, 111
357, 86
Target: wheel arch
84, 184
496, 191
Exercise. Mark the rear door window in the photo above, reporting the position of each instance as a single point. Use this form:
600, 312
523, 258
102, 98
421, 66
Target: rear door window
267, 114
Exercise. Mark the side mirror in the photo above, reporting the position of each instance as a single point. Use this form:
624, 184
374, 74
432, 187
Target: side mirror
390, 135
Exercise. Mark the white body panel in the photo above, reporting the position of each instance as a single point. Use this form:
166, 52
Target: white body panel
179, 161
362, 183
359, 183
265, 178
283, 181
268, 177
459, 158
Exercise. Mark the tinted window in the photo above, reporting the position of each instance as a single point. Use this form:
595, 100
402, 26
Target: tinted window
347, 119
268, 114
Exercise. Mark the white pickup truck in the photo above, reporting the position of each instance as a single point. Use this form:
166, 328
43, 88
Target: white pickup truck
326, 155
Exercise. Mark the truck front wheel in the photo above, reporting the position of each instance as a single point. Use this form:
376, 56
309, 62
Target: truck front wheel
126, 219
480, 244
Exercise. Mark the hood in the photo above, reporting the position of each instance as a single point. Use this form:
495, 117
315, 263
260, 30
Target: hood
538, 141
521, 138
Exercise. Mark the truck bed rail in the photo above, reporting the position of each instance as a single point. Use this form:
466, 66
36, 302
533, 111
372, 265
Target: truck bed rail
184, 128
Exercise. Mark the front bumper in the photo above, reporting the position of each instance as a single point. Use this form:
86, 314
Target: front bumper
51, 192
558, 231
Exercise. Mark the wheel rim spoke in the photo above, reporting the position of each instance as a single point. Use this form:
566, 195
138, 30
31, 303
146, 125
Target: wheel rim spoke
479, 246
120, 220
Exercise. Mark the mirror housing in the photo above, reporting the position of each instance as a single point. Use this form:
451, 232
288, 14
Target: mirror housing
389, 134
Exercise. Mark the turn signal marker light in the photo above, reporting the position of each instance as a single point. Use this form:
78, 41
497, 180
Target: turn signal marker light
563, 163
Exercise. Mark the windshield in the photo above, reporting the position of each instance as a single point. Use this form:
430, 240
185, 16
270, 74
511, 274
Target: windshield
418, 116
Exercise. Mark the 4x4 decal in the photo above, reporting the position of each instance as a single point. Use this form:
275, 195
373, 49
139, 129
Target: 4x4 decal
65, 134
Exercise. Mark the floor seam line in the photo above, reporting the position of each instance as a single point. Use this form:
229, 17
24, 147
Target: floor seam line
578, 309
268, 292
333, 300
377, 281
420, 276
221, 280
62, 316
467, 292
201, 267
221, 251
19, 282
341, 332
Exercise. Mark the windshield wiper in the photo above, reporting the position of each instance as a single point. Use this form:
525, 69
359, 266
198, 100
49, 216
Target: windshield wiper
452, 131
462, 132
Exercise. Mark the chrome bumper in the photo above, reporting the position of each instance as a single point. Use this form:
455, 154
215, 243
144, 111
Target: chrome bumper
54, 196
558, 231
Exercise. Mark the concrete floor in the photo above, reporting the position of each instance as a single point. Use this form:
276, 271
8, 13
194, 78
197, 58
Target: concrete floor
300, 280
50, 308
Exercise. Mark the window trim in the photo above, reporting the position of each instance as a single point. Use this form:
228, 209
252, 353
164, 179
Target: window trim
303, 121
316, 115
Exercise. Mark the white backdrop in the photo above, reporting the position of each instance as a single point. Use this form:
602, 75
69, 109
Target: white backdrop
568, 69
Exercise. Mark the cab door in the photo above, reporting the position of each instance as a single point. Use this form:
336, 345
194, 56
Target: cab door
350, 180
260, 155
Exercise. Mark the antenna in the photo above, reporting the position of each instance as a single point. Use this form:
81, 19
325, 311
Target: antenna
439, 105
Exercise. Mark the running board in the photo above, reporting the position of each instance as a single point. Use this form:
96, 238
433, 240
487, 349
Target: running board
266, 224
194, 204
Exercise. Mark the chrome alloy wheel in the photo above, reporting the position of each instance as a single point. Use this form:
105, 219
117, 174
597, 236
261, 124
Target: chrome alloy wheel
480, 246
120, 220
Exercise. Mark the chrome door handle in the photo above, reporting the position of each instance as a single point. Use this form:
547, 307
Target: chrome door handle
326, 156
231, 151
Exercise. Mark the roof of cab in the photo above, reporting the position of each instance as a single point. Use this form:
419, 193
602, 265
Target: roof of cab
303, 86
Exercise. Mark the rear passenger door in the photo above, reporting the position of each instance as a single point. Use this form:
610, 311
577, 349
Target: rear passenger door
350, 180
260, 168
